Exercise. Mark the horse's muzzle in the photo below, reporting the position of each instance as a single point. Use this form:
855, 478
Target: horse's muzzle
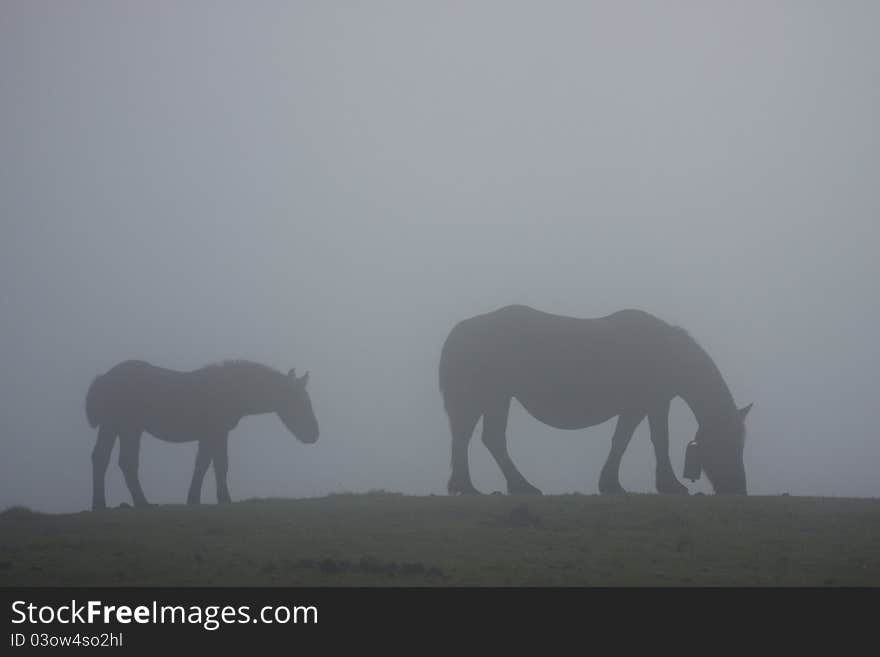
311, 438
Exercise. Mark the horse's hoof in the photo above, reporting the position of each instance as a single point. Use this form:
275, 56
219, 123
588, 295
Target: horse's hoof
457, 487
463, 490
611, 489
523, 489
672, 488
466, 491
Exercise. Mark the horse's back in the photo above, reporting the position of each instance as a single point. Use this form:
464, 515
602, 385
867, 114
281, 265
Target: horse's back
519, 326
517, 348
518, 316
128, 368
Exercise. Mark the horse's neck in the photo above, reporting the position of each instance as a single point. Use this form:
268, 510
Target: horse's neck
255, 404
253, 392
262, 397
702, 387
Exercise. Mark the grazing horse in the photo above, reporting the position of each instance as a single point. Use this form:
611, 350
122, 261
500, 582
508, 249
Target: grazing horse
572, 373
202, 405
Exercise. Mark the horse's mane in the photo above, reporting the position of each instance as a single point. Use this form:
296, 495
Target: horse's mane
683, 338
250, 374
681, 335
241, 364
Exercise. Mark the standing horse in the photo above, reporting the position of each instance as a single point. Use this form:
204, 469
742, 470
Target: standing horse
202, 405
572, 373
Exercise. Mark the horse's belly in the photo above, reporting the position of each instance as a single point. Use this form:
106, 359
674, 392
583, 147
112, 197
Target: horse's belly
563, 411
172, 436
174, 432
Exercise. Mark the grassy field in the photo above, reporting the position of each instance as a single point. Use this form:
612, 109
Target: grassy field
395, 540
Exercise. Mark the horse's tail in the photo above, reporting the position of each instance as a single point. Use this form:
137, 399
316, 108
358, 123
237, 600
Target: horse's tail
95, 402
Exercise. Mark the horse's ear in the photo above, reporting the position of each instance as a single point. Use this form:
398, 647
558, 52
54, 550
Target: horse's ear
292, 373
745, 411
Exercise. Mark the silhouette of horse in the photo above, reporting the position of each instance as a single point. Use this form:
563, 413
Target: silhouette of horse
203, 405
572, 373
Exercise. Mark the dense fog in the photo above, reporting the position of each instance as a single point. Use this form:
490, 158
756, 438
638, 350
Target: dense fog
332, 186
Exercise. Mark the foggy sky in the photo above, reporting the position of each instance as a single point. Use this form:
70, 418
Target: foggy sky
331, 186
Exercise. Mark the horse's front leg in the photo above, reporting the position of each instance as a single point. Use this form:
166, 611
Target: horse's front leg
658, 420
221, 467
609, 479
495, 440
203, 460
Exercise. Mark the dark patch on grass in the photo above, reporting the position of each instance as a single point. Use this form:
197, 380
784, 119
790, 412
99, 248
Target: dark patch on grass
522, 516
17, 511
333, 566
372, 566
414, 568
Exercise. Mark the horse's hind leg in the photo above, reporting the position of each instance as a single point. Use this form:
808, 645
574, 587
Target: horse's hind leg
609, 480
100, 460
129, 462
462, 420
203, 460
495, 439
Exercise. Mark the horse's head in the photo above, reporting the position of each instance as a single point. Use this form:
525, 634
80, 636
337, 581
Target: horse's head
295, 408
720, 444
